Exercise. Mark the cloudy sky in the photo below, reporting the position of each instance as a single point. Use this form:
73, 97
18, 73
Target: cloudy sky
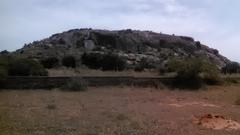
213, 22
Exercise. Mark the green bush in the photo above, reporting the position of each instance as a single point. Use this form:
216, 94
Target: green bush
103, 61
92, 60
69, 61
5, 52
231, 68
50, 62
143, 64
3, 66
210, 73
25, 67
139, 68
113, 62
231, 80
193, 73
76, 84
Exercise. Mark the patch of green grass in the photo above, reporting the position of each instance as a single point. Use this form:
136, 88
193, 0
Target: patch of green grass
76, 84
231, 80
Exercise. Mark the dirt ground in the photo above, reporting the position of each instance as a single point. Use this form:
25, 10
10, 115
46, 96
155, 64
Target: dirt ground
116, 111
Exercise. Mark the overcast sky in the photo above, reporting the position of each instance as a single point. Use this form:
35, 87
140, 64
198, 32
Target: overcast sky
215, 23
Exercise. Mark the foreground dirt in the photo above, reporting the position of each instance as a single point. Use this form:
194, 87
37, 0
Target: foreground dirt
116, 111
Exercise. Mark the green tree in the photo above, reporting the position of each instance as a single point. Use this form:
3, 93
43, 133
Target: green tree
69, 61
25, 67
231, 68
104, 61
3, 66
193, 72
50, 62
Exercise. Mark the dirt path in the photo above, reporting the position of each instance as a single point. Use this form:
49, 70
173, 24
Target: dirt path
116, 111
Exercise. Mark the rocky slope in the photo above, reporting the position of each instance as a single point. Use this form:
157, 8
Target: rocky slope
134, 46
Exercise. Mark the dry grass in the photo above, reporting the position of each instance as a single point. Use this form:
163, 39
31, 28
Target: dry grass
232, 75
114, 111
237, 102
92, 72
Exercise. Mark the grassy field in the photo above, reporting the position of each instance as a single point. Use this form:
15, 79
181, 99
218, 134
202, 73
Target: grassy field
115, 111
63, 72
93, 72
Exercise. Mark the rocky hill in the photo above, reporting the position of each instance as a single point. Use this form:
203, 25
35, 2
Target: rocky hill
132, 45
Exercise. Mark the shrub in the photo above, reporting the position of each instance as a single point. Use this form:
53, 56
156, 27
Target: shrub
76, 84
143, 64
104, 61
92, 60
230, 80
198, 44
210, 73
193, 73
162, 42
25, 67
215, 51
69, 61
80, 43
3, 66
112, 62
139, 68
50, 62
5, 52
3, 72
231, 68
61, 41
36, 69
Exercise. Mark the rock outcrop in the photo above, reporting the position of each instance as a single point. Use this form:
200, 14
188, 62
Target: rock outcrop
132, 45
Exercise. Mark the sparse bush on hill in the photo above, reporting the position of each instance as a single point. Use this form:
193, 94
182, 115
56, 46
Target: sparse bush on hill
231, 68
138, 68
50, 62
5, 52
25, 67
92, 60
75, 84
3, 66
36, 69
69, 61
198, 44
3, 72
113, 62
143, 64
104, 61
193, 73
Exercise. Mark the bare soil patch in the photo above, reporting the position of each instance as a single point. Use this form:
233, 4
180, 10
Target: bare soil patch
216, 122
202, 104
117, 111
